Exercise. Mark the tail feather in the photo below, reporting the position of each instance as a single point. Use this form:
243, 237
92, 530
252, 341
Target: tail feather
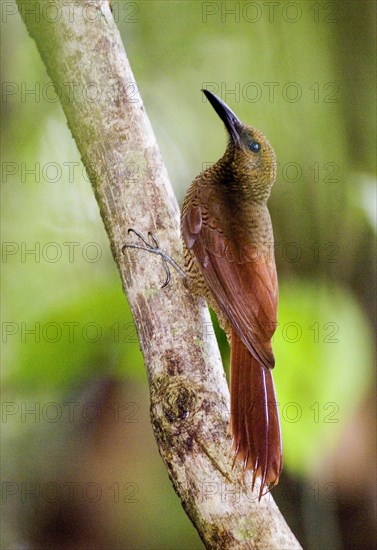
254, 416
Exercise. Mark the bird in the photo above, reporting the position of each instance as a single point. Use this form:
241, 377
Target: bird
228, 249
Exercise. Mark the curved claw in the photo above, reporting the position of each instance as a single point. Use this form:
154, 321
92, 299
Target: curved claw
167, 271
155, 249
151, 235
130, 230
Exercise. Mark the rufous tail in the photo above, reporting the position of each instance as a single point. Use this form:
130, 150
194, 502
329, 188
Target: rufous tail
254, 419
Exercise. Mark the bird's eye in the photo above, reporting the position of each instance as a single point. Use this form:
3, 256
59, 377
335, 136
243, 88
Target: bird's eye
254, 146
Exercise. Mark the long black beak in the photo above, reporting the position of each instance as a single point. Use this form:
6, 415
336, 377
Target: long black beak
231, 121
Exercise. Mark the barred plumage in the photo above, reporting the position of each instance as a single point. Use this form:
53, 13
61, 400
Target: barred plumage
228, 253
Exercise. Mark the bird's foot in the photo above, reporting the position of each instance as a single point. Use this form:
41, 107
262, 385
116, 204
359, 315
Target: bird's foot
153, 246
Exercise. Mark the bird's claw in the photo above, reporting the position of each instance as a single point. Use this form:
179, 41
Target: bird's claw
153, 247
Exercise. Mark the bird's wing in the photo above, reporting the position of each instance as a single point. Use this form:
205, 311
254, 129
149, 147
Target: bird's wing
242, 280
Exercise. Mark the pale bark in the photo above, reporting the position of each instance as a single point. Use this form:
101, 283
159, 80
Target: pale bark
189, 394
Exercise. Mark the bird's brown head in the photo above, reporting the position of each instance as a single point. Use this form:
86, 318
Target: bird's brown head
249, 156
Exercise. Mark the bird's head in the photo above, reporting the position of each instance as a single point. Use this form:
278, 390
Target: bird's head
249, 154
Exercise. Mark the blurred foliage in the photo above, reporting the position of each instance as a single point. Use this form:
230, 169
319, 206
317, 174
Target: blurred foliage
322, 207
93, 336
323, 374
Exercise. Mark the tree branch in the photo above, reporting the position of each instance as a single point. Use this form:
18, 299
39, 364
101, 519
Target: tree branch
84, 57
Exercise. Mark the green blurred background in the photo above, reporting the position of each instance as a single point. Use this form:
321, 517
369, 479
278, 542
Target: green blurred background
80, 466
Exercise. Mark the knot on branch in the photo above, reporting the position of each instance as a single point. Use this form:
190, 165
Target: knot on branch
175, 402
176, 395
179, 401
